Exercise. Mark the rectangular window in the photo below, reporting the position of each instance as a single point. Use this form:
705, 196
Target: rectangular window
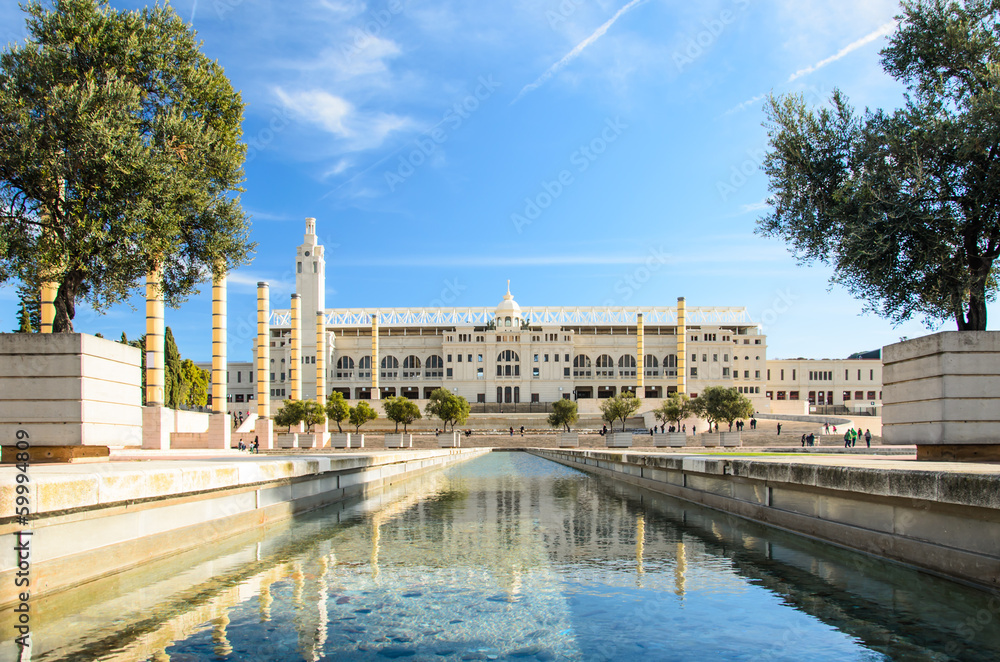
781, 395
793, 395
847, 396
448, 373
536, 358
859, 395
768, 375
756, 374
546, 361
556, 358
239, 376
470, 358
871, 395
704, 358
715, 358
480, 397
282, 376
449, 358
694, 372
725, 358
459, 358
793, 375
782, 375
479, 373
480, 358
859, 375
746, 374
315, 268
534, 372
871, 375
567, 358
694, 358
272, 376
250, 379
298, 267
565, 372
534, 397
845, 374
725, 372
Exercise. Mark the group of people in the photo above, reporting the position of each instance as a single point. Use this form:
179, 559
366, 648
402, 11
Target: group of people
253, 447
851, 437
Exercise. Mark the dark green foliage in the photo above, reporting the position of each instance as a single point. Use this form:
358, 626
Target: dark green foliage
29, 311
173, 376
718, 404
337, 409
361, 414
401, 410
120, 151
447, 406
905, 205
620, 407
564, 413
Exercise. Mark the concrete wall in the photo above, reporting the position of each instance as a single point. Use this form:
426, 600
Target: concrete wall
97, 520
943, 389
69, 389
945, 522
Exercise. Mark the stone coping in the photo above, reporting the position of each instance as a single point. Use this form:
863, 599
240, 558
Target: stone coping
962, 484
55, 488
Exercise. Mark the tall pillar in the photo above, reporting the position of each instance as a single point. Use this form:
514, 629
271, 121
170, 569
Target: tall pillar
263, 353
321, 357
640, 371
681, 346
264, 426
219, 428
295, 365
48, 312
375, 364
220, 369
155, 396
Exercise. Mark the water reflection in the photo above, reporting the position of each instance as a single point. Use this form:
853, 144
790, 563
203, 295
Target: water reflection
513, 556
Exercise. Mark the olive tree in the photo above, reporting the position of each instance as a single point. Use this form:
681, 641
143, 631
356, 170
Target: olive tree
564, 413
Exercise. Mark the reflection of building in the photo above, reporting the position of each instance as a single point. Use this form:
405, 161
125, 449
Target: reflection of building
508, 353
852, 383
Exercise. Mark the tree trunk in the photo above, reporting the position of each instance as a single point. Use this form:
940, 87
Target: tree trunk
65, 304
975, 318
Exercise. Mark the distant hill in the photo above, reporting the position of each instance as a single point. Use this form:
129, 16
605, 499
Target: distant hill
873, 354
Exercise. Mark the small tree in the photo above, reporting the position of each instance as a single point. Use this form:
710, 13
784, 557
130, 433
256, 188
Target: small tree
314, 414
564, 412
361, 414
674, 409
29, 312
337, 409
718, 404
450, 408
401, 410
195, 384
620, 407
291, 413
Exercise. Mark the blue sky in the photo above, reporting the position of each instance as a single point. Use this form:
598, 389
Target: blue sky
594, 152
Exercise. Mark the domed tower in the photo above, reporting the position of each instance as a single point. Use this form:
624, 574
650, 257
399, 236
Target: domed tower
508, 315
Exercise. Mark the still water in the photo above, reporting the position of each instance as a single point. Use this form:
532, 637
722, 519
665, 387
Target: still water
509, 556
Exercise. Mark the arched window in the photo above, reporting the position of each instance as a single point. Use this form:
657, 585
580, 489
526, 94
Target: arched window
390, 367
670, 361
345, 368
508, 356
605, 366
652, 365
434, 367
411, 367
626, 365
365, 366
581, 365
506, 321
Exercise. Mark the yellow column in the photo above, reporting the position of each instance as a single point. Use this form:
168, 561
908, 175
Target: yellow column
295, 364
155, 395
220, 368
681, 346
375, 365
263, 353
320, 357
640, 380
48, 313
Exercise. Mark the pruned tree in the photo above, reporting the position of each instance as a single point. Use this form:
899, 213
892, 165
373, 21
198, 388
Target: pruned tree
719, 404
904, 205
448, 407
620, 407
195, 384
361, 414
292, 412
401, 410
120, 152
313, 414
564, 413
675, 408
337, 409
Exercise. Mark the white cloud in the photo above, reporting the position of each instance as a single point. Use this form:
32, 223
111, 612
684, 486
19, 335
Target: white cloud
853, 46
745, 104
754, 206
359, 130
575, 52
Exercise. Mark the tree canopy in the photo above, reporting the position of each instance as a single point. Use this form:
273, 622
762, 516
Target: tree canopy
448, 407
719, 404
675, 408
564, 413
620, 407
337, 409
292, 412
120, 152
361, 414
399, 409
904, 205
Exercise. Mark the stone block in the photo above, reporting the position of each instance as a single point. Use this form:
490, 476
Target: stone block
569, 440
618, 439
449, 439
731, 439
942, 389
399, 441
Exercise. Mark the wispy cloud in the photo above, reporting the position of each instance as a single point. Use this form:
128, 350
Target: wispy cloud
754, 206
853, 46
740, 107
573, 54
336, 115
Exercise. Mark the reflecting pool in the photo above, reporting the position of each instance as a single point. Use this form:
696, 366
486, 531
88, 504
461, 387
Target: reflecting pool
509, 556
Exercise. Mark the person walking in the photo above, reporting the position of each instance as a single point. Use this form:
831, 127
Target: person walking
803, 440
847, 439
779, 429
256, 444
860, 435
811, 439
512, 430
522, 430
868, 438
